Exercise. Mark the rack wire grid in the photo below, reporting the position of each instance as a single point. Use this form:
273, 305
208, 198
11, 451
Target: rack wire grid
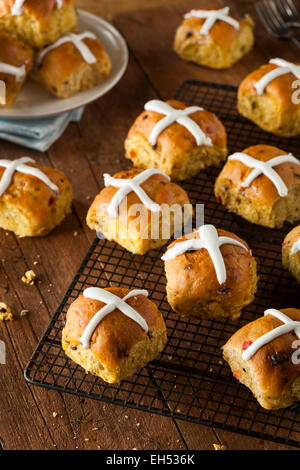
189, 380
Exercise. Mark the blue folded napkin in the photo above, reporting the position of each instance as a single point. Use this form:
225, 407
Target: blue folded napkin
38, 134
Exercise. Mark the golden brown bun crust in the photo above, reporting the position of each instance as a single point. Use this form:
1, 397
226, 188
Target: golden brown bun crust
177, 136
191, 277
222, 33
139, 238
157, 187
280, 89
41, 22
42, 207
116, 334
40, 9
261, 188
14, 52
65, 72
269, 381
66, 59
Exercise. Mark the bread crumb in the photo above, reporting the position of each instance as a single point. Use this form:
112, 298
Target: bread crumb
219, 447
95, 429
54, 414
5, 312
138, 425
35, 263
75, 234
23, 313
29, 277
86, 439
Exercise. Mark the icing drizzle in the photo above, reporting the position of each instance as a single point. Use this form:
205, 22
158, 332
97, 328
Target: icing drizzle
112, 302
18, 6
18, 72
181, 116
77, 40
296, 247
284, 67
265, 168
289, 325
128, 185
209, 240
211, 17
20, 165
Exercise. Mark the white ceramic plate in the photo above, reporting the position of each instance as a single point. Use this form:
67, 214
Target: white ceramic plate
34, 101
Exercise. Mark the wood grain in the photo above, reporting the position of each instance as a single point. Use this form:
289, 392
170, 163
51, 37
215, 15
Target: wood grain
84, 153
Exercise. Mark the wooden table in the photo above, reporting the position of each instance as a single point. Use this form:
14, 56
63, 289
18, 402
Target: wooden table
84, 153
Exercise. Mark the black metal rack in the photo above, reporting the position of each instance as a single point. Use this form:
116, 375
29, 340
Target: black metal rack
190, 380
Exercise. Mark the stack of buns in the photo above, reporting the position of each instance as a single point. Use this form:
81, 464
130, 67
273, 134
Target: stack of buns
40, 38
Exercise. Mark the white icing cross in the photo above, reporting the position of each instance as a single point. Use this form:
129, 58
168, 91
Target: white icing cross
289, 325
265, 168
211, 17
77, 40
284, 67
181, 116
18, 72
128, 185
210, 241
18, 6
20, 165
296, 247
113, 302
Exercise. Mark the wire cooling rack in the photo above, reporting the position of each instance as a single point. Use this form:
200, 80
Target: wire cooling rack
189, 380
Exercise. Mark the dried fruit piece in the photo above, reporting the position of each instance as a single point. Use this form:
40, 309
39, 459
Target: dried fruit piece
246, 345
